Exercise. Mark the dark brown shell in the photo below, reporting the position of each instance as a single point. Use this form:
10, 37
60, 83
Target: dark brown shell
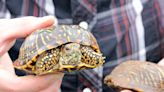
137, 76
45, 39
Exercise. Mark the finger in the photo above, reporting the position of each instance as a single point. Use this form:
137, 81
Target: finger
7, 79
55, 87
35, 83
21, 27
6, 46
6, 64
10, 29
126, 91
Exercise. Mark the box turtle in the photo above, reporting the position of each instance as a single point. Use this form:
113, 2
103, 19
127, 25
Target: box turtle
137, 76
63, 48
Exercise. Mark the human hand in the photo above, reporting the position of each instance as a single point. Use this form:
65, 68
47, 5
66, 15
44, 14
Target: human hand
10, 29
10, 82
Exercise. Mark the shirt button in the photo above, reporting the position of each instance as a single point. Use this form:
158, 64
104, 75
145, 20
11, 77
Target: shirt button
83, 24
87, 90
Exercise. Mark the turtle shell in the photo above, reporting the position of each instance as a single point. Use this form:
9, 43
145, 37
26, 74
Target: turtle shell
49, 38
137, 76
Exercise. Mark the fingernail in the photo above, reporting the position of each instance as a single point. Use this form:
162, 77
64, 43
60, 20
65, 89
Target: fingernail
46, 18
46, 21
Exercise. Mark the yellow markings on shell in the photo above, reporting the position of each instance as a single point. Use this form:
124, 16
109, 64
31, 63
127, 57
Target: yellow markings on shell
22, 67
68, 39
88, 35
42, 37
33, 68
29, 64
69, 32
44, 42
161, 72
34, 59
36, 41
48, 38
49, 30
67, 66
153, 79
63, 27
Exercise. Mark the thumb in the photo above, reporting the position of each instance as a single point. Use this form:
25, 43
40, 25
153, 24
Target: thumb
6, 46
126, 91
21, 27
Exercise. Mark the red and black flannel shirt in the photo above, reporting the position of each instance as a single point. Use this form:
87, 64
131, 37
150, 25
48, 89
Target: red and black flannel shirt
125, 29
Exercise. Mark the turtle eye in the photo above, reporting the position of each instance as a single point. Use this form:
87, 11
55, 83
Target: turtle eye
67, 48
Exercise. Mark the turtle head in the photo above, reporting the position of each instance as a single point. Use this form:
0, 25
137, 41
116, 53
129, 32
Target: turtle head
70, 54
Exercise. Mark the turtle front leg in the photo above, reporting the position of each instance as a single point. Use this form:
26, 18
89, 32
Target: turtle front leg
91, 58
47, 62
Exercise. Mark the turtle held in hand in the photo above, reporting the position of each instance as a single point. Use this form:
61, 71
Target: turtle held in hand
59, 49
137, 76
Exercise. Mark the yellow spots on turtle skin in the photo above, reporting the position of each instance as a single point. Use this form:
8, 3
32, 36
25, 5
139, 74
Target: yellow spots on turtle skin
48, 63
90, 57
95, 48
32, 52
46, 57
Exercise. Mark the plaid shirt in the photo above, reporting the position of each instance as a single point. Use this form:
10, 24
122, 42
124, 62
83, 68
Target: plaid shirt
125, 29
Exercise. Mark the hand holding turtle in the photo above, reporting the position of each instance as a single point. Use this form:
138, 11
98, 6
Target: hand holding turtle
10, 29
